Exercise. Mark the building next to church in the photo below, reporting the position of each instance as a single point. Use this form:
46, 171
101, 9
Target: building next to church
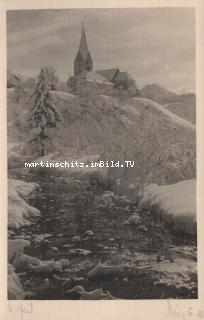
106, 81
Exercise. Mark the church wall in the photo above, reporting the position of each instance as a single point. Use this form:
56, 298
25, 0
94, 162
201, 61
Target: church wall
85, 87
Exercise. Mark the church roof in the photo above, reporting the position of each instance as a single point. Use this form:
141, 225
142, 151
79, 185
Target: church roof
108, 74
83, 48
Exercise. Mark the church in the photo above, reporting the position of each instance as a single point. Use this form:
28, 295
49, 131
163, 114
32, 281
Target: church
106, 81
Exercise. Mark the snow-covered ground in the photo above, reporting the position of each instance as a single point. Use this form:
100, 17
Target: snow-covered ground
172, 116
63, 95
18, 212
18, 209
175, 203
15, 148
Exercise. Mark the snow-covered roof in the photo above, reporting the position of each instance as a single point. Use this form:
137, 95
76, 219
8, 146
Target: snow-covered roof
108, 74
92, 76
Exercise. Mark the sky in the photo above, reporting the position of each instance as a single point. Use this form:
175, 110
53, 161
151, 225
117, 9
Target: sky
155, 45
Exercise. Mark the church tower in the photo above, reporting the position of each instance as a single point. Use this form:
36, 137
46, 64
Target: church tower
83, 60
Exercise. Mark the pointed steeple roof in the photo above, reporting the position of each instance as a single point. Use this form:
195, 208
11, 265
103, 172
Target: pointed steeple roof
83, 48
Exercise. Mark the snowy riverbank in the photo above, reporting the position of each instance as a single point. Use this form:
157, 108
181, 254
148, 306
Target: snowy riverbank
175, 203
18, 210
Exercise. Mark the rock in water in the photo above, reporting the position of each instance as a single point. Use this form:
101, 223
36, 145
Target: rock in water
82, 252
76, 239
142, 227
67, 246
89, 233
78, 279
134, 219
55, 249
37, 239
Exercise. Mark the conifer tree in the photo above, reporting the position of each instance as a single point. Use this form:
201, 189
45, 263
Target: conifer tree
44, 113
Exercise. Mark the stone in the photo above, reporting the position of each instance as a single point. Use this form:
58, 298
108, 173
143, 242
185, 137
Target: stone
126, 223
60, 279
67, 246
76, 239
142, 227
134, 219
37, 239
20, 236
137, 211
27, 237
10, 233
55, 249
78, 279
82, 252
89, 233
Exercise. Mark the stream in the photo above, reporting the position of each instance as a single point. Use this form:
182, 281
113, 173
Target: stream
87, 225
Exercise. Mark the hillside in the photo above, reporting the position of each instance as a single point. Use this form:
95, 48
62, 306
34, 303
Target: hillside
159, 94
185, 107
161, 143
182, 105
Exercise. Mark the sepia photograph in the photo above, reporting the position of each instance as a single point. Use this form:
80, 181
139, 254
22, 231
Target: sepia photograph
101, 151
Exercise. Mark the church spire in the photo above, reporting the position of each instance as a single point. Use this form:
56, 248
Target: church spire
83, 48
83, 60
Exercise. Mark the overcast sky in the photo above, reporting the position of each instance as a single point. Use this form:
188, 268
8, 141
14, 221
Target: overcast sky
155, 45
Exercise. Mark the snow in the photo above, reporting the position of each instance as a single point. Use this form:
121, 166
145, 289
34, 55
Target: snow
63, 95
175, 203
173, 117
18, 209
15, 289
97, 174
16, 245
14, 148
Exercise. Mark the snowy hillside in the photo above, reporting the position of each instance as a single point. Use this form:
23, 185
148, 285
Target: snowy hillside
161, 143
159, 94
183, 105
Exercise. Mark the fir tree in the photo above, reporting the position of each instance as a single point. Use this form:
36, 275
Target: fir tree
44, 111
